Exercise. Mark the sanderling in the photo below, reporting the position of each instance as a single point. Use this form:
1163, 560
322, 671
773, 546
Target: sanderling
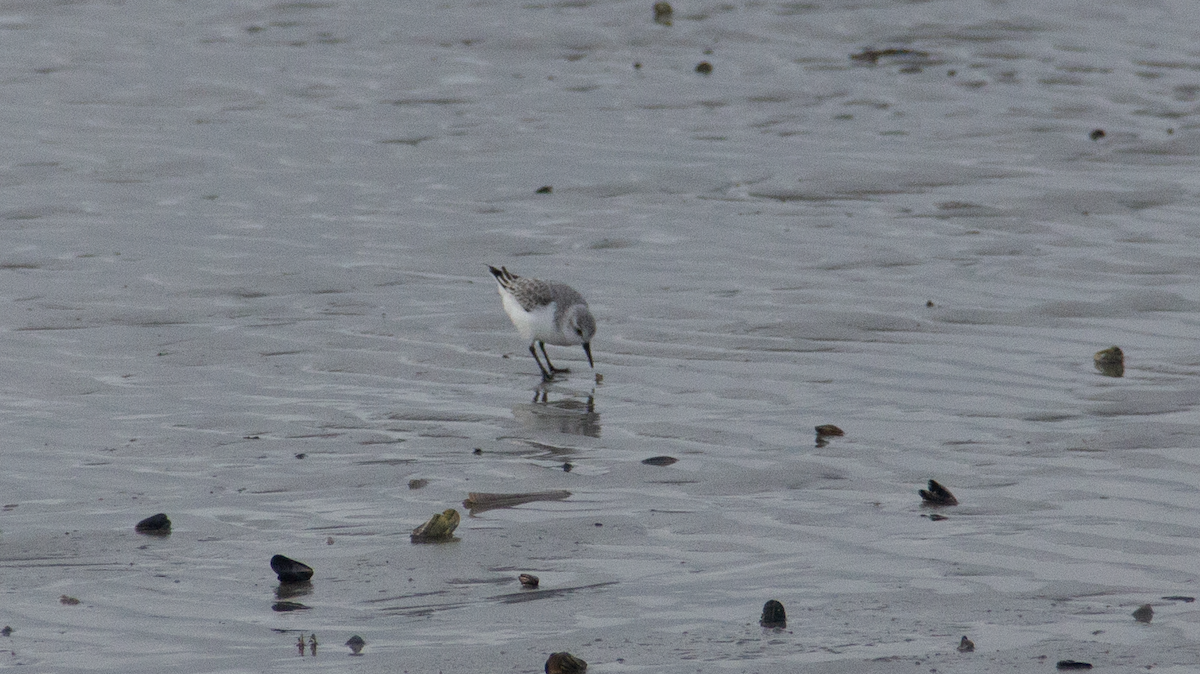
546, 311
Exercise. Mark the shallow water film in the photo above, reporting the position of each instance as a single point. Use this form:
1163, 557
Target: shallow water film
244, 266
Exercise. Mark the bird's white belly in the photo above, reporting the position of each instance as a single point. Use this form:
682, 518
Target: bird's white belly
536, 325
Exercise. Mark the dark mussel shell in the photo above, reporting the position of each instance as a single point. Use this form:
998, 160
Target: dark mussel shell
289, 570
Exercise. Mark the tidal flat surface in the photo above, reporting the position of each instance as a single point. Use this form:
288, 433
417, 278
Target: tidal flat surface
243, 252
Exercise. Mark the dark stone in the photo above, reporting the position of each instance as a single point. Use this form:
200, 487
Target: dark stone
1144, 613
1110, 362
528, 580
773, 615
564, 663
704, 68
829, 430
156, 525
1072, 664
660, 461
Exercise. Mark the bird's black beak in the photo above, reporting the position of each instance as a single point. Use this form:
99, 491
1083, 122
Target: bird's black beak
587, 348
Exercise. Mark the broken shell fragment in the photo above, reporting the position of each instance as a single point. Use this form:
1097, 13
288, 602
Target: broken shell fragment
440, 527
937, 495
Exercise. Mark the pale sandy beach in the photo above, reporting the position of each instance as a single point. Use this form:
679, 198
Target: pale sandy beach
243, 261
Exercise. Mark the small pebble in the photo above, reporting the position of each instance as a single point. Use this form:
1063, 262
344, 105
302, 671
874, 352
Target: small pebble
663, 13
6, 632
1072, 664
564, 663
545, 189
68, 601
829, 431
966, 645
773, 615
704, 68
155, 525
417, 483
1110, 362
660, 461
356, 644
1097, 134
1144, 614
528, 580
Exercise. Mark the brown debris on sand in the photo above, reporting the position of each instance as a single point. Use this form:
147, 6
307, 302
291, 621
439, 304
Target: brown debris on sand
478, 502
1110, 362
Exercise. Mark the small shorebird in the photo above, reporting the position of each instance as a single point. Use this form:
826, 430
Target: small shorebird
546, 311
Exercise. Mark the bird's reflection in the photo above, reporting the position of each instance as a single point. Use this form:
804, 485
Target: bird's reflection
568, 415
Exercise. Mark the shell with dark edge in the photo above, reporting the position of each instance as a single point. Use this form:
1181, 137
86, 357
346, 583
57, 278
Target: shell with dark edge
937, 495
289, 570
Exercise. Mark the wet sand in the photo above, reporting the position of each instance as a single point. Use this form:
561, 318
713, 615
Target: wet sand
244, 261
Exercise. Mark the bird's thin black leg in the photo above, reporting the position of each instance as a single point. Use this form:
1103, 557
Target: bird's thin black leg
546, 375
552, 368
